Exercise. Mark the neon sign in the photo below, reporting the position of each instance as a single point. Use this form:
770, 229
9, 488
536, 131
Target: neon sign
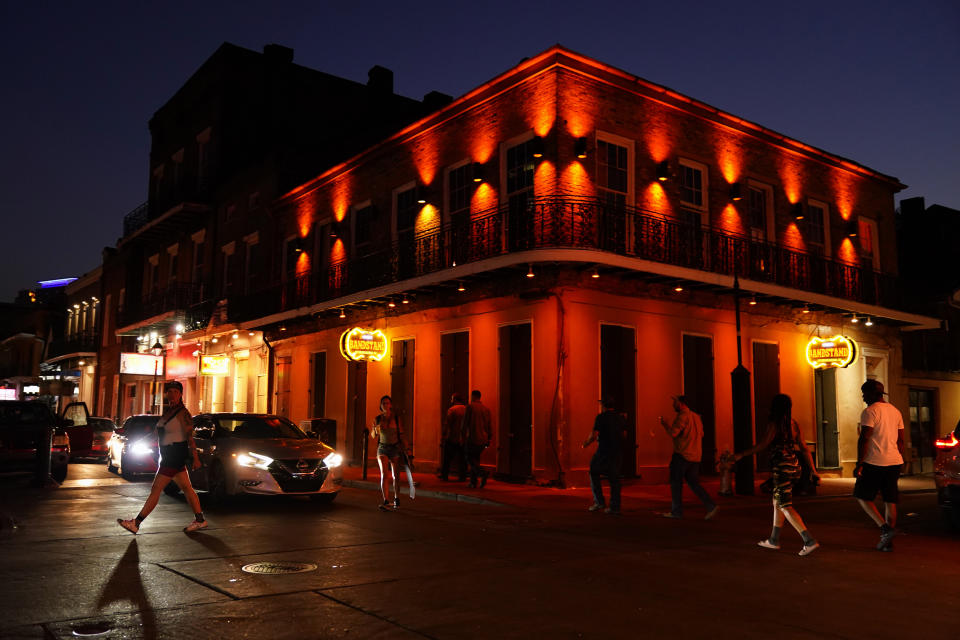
363, 344
828, 353
143, 364
218, 365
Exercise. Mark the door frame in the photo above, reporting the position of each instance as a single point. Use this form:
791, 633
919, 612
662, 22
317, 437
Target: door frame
533, 398
713, 375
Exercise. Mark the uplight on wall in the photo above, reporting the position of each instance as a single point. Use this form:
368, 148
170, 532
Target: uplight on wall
580, 147
798, 211
736, 192
663, 171
852, 228
423, 197
477, 171
536, 147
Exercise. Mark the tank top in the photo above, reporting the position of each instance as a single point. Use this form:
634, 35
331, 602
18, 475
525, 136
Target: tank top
389, 434
784, 445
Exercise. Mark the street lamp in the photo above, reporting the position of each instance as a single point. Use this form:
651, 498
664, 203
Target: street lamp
157, 349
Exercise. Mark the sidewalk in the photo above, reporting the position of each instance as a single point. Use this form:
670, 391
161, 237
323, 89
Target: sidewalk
653, 496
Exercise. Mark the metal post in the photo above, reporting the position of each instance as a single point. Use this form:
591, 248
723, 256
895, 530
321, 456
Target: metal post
742, 414
363, 449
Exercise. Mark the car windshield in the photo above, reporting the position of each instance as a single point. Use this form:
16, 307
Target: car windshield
101, 424
259, 427
139, 425
23, 413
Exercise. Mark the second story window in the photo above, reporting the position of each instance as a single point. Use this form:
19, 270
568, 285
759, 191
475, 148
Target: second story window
612, 173
757, 212
692, 184
251, 263
172, 264
229, 266
459, 189
153, 274
815, 225
406, 211
364, 221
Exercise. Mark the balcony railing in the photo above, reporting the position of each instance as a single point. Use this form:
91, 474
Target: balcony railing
82, 342
179, 297
556, 223
135, 220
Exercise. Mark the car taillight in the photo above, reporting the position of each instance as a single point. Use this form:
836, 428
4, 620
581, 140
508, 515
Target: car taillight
947, 442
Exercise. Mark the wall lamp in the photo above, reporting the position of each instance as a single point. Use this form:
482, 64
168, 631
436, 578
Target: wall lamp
422, 195
852, 228
536, 147
736, 191
530, 273
477, 171
334, 230
798, 211
663, 171
869, 322
580, 147
298, 244
460, 287
343, 314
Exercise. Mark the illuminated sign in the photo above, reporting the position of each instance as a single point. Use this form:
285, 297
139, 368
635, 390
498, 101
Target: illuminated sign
8, 394
145, 364
218, 365
180, 365
31, 389
838, 351
363, 344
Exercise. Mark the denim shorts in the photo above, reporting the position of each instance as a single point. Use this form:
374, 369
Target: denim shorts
391, 451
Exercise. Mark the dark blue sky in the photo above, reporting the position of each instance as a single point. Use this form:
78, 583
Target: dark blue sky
877, 82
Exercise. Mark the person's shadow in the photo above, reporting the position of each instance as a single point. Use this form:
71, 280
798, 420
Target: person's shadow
126, 585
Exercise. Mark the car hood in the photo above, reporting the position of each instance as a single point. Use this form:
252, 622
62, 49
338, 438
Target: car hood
278, 448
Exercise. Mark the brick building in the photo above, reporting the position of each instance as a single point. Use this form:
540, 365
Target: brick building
568, 230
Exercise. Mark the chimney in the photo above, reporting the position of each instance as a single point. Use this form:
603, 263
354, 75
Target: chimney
912, 206
380, 79
434, 101
278, 53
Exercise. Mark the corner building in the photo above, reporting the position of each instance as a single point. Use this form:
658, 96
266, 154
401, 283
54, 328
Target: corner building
566, 231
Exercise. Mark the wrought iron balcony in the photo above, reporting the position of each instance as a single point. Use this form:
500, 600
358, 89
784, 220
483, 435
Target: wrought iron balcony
183, 298
82, 342
135, 219
556, 223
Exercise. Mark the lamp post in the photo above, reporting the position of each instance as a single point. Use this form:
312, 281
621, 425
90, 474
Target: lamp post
157, 349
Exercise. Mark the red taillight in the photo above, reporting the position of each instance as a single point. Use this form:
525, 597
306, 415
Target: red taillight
947, 442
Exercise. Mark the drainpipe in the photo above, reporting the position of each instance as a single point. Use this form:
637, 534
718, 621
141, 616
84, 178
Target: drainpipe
270, 366
742, 431
556, 406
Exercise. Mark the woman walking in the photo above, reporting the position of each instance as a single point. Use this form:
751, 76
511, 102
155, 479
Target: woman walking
386, 429
177, 451
784, 440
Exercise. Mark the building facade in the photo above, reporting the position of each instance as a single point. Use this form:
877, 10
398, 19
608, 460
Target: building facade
567, 231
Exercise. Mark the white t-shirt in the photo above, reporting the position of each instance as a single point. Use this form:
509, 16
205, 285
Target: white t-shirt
886, 421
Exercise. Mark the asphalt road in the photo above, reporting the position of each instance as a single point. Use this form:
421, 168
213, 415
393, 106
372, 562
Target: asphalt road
445, 569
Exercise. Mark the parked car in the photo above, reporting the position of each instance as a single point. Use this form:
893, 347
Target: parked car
25, 425
88, 434
132, 448
946, 475
246, 453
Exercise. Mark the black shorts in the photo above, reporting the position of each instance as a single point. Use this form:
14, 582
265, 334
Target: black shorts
173, 458
882, 480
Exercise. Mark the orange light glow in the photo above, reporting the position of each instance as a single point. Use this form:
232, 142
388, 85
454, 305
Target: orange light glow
848, 252
337, 252
729, 155
305, 216
426, 157
575, 181
730, 220
791, 176
579, 108
655, 199
793, 239
545, 179
485, 134
845, 193
303, 264
657, 133
485, 197
427, 220
341, 196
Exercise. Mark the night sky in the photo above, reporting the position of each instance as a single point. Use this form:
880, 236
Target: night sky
877, 82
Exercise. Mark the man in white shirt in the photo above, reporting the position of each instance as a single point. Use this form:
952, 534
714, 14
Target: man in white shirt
879, 460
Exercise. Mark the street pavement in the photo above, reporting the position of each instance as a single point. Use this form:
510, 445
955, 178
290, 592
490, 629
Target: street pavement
507, 561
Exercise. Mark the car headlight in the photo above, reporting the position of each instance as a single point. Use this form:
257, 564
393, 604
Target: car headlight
141, 448
254, 460
333, 460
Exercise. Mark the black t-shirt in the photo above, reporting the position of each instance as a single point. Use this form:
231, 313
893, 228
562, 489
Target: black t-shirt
609, 426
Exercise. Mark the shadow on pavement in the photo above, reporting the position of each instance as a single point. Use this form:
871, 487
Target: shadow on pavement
126, 585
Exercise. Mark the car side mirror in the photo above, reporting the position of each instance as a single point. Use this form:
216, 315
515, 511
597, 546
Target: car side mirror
313, 434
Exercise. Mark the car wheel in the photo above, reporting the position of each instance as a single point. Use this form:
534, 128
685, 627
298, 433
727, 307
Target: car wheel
323, 498
217, 484
123, 469
172, 489
59, 473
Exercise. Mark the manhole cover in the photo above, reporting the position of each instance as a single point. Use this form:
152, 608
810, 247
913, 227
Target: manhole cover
278, 568
91, 629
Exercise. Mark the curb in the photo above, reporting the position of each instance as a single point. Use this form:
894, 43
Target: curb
426, 493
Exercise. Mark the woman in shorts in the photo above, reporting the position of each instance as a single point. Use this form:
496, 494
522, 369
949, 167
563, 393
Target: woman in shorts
784, 440
386, 429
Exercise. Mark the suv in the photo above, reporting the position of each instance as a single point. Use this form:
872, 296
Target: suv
946, 475
23, 426
132, 448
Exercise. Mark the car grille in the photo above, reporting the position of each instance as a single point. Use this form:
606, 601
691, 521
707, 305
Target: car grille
299, 475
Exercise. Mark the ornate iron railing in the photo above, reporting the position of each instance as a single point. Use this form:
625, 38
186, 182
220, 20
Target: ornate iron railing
135, 220
178, 297
553, 223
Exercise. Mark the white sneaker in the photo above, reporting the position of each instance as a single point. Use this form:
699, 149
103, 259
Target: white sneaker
809, 548
595, 507
195, 526
129, 525
766, 544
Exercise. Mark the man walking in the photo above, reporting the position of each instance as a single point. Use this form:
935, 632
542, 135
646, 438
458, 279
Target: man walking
476, 435
453, 438
687, 434
609, 428
879, 460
